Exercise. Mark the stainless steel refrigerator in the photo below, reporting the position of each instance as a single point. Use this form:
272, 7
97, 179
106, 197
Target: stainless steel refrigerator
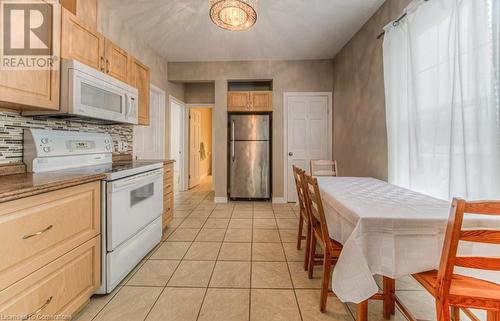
250, 156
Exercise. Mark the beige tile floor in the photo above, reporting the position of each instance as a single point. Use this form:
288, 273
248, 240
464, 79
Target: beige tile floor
232, 262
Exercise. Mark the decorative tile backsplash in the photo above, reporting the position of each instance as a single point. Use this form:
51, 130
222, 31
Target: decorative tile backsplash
12, 125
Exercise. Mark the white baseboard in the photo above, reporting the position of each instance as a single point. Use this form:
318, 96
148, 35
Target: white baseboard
221, 200
279, 200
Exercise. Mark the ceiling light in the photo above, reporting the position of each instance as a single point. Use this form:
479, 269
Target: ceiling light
235, 15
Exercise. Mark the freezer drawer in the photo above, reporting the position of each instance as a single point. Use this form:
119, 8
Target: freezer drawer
249, 127
250, 169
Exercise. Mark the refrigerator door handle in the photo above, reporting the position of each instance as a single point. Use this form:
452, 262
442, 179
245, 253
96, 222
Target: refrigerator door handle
232, 142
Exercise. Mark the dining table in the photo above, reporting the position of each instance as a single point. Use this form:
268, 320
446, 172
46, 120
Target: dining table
389, 231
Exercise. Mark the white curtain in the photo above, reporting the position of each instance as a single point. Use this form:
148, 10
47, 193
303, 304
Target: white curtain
442, 101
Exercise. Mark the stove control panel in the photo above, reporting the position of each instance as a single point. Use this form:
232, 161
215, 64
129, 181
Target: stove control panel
42, 146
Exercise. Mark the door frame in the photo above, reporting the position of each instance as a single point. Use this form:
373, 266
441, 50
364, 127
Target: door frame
161, 113
182, 163
286, 95
186, 141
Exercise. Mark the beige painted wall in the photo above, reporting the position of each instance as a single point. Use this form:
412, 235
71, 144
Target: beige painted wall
359, 130
288, 76
206, 138
199, 93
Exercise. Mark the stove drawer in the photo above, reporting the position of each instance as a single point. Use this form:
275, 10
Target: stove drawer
38, 229
61, 287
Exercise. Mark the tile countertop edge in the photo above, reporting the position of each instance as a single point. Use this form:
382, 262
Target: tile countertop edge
22, 185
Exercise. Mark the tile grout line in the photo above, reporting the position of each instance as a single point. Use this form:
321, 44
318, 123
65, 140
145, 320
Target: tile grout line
251, 267
163, 290
213, 269
290, 274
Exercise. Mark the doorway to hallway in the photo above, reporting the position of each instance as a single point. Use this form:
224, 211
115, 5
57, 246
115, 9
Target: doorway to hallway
200, 144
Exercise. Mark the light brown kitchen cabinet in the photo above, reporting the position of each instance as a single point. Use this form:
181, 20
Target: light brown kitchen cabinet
85, 10
168, 194
33, 89
248, 101
139, 77
261, 100
81, 42
50, 239
238, 101
116, 61
29, 89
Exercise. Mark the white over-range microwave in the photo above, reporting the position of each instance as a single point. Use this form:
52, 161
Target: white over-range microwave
89, 93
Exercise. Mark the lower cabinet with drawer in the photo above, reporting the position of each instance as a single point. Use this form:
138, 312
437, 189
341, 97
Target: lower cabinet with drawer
50, 252
168, 194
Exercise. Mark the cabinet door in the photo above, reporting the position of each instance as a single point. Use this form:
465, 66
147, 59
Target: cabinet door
117, 61
81, 42
238, 101
85, 10
261, 100
139, 78
33, 89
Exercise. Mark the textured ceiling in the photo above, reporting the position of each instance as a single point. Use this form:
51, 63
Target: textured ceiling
181, 30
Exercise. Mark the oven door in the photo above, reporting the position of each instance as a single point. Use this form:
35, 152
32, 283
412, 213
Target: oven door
132, 203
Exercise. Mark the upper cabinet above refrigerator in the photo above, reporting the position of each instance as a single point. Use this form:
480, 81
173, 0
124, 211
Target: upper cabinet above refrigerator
250, 96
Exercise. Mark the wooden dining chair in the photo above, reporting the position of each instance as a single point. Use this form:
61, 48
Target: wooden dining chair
303, 217
454, 291
320, 167
319, 236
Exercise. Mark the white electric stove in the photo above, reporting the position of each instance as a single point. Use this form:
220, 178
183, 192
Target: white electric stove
132, 194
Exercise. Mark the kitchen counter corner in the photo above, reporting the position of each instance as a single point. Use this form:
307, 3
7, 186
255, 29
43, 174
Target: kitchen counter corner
18, 186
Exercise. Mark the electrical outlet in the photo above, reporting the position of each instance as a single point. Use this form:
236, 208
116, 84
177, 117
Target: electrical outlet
120, 148
125, 146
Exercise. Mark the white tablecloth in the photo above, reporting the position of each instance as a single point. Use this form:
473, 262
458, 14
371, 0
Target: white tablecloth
386, 230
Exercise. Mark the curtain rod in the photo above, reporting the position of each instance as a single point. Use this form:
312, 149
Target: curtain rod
395, 23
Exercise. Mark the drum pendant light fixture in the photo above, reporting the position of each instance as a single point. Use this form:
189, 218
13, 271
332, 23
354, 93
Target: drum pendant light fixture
234, 15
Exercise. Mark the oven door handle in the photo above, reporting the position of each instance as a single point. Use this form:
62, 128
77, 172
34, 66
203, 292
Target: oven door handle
135, 181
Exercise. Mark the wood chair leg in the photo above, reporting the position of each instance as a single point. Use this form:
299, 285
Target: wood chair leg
299, 236
442, 311
312, 255
325, 282
493, 316
362, 311
455, 314
389, 302
308, 248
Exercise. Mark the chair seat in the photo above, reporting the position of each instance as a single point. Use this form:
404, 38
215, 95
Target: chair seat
464, 291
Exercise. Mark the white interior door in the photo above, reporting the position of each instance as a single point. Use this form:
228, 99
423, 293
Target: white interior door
194, 147
177, 142
149, 140
308, 134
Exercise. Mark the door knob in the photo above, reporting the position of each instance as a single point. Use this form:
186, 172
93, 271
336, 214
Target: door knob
290, 154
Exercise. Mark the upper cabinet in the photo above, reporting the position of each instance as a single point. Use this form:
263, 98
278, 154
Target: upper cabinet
261, 100
139, 75
81, 42
238, 101
248, 101
85, 10
116, 61
33, 89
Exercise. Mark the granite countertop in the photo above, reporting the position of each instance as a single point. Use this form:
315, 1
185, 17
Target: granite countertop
164, 161
17, 186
